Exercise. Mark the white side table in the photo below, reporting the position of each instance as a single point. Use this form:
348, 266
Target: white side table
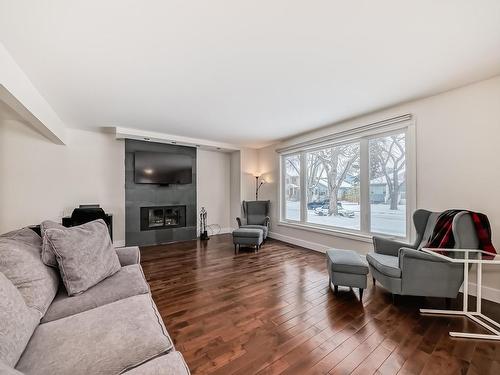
467, 257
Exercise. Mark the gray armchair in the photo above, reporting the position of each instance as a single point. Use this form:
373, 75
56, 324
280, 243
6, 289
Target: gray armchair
406, 270
256, 215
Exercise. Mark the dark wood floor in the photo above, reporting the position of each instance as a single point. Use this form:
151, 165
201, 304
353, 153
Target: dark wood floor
273, 313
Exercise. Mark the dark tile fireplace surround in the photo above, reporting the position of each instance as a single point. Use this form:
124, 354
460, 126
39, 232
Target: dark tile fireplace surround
156, 214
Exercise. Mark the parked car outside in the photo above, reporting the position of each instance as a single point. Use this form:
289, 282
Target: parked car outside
313, 205
324, 210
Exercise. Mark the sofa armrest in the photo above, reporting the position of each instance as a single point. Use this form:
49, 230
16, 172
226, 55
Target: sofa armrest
170, 363
128, 255
386, 246
240, 222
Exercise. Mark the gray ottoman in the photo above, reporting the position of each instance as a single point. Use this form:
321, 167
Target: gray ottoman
347, 268
247, 236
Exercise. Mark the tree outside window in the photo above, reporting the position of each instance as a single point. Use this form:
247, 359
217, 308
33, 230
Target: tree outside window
333, 186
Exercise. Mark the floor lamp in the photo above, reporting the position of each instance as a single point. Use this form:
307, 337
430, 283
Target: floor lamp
258, 186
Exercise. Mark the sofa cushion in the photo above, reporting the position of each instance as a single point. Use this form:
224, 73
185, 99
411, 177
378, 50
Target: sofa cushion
17, 322
169, 364
20, 261
84, 253
7, 370
105, 340
127, 282
386, 264
48, 256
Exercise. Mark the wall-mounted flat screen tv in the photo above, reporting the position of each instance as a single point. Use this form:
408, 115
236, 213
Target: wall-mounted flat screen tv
162, 168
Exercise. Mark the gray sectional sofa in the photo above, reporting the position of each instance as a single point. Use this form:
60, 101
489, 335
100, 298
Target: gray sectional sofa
112, 328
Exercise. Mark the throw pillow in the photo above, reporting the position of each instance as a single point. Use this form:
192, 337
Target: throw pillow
48, 256
21, 263
17, 323
26, 235
84, 253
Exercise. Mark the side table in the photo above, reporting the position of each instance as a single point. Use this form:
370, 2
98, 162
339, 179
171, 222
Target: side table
468, 257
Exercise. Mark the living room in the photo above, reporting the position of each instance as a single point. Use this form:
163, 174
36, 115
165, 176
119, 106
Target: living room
243, 188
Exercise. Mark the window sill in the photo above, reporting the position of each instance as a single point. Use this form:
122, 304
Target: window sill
332, 232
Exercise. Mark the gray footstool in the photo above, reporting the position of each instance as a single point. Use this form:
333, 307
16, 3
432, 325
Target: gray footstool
347, 268
247, 236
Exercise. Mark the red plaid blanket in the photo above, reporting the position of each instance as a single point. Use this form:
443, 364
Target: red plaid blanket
442, 236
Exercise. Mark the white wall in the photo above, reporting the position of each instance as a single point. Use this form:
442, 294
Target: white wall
249, 169
457, 141
244, 167
235, 191
42, 180
213, 190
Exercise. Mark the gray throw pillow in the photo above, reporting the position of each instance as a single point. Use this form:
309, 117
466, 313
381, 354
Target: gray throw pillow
25, 235
21, 263
84, 253
48, 256
17, 323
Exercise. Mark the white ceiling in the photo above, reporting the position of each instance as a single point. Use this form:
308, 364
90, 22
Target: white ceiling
245, 72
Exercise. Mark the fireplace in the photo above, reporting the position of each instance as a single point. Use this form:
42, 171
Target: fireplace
163, 217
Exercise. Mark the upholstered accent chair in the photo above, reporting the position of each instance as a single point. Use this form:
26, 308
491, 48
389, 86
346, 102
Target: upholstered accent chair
403, 269
255, 215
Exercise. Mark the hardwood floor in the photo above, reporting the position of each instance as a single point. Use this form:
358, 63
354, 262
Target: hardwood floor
272, 312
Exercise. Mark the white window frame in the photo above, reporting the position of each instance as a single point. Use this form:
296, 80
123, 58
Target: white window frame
362, 134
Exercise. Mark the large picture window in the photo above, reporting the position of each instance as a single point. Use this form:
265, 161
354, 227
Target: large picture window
358, 184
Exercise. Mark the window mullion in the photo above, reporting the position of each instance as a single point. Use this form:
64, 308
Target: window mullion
364, 175
282, 188
303, 195
411, 182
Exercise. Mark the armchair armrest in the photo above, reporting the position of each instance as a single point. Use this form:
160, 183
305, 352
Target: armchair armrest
407, 253
267, 221
128, 255
386, 246
239, 222
424, 274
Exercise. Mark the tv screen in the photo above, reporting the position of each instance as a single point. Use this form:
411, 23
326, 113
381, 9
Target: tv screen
162, 168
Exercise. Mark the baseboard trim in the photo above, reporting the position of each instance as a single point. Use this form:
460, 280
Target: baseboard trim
296, 241
488, 293
491, 294
222, 231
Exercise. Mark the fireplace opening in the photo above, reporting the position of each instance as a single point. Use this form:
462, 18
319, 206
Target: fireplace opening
163, 217
155, 218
